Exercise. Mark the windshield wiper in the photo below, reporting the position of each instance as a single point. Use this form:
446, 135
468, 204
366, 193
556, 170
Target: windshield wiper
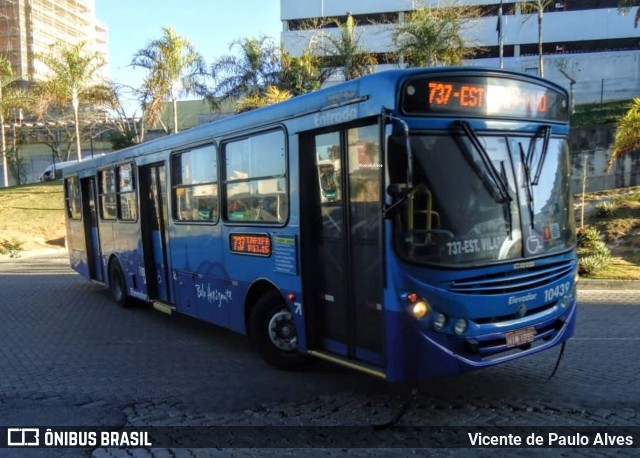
506, 207
494, 182
546, 135
527, 178
527, 163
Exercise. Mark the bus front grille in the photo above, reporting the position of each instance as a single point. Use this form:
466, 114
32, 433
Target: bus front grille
512, 281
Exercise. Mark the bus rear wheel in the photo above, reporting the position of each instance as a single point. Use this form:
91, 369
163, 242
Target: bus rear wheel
273, 332
118, 285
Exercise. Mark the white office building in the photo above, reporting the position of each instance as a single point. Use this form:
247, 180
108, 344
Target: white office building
589, 47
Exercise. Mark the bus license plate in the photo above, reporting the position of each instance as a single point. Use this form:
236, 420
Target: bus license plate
520, 337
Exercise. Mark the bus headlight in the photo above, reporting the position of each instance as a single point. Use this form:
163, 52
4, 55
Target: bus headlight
439, 321
420, 309
460, 326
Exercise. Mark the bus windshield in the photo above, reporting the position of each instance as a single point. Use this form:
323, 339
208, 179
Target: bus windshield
485, 198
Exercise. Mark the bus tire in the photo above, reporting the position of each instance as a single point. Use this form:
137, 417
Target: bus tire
273, 332
118, 285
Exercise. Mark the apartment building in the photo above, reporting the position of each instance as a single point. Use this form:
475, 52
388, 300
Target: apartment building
29, 27
588, 46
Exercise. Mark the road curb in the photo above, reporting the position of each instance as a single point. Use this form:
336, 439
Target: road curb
590, 284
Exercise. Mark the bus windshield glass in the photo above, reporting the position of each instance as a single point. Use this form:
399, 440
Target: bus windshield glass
467, 207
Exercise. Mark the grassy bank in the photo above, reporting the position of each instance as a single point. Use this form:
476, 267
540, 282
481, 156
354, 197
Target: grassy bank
33, 215
616, 216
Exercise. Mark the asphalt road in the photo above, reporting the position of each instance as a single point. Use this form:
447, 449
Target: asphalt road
70, 357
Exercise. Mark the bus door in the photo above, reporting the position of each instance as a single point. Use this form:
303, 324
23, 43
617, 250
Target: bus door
153, 214
341, 223
92, 237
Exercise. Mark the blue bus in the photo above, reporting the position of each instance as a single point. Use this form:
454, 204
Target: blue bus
448, 244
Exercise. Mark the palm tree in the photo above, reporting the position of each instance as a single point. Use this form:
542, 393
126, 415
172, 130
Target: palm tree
249, 73
272, 95
343, 53
299, 75
74, 73
538, 6
625, 5
627, 137
433, 36
174, 69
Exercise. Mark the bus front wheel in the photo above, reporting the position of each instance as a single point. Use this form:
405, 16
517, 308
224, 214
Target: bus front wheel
273, 331
118, 285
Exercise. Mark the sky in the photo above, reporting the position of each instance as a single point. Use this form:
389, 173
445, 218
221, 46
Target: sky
211, 25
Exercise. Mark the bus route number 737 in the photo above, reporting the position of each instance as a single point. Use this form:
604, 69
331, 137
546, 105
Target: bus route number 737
463, 247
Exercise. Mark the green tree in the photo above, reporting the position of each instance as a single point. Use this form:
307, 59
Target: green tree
342, 52
625, 5
272, 95
73, 79
174, 69
125, 129
248, 73
299, 75
12, 97
432, 35
627, 136
262, 74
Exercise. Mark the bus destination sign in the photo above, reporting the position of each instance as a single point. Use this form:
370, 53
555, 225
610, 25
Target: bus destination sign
484, 96
253, 244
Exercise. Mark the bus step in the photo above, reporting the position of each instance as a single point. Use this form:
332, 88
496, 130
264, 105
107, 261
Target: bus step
164, 308
341, 360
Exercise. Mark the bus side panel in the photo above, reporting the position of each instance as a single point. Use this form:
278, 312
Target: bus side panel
279, 269
198, 274
126, 247
106, 246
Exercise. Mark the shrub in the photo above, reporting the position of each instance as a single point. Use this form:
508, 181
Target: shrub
590, 265
593, 254
11, 247
605, 209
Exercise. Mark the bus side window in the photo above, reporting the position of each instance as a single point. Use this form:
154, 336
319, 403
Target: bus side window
107, 193
127, 198
255, 179
195, 185
72, 197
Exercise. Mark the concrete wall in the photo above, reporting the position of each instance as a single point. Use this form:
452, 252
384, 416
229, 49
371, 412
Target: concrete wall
591, 147
599, 77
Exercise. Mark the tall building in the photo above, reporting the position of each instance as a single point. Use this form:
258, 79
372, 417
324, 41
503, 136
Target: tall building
29, 27
588, 46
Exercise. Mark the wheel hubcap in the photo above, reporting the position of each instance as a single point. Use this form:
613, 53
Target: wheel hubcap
282, 331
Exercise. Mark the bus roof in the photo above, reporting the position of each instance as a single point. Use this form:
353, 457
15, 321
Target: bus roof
360, 89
